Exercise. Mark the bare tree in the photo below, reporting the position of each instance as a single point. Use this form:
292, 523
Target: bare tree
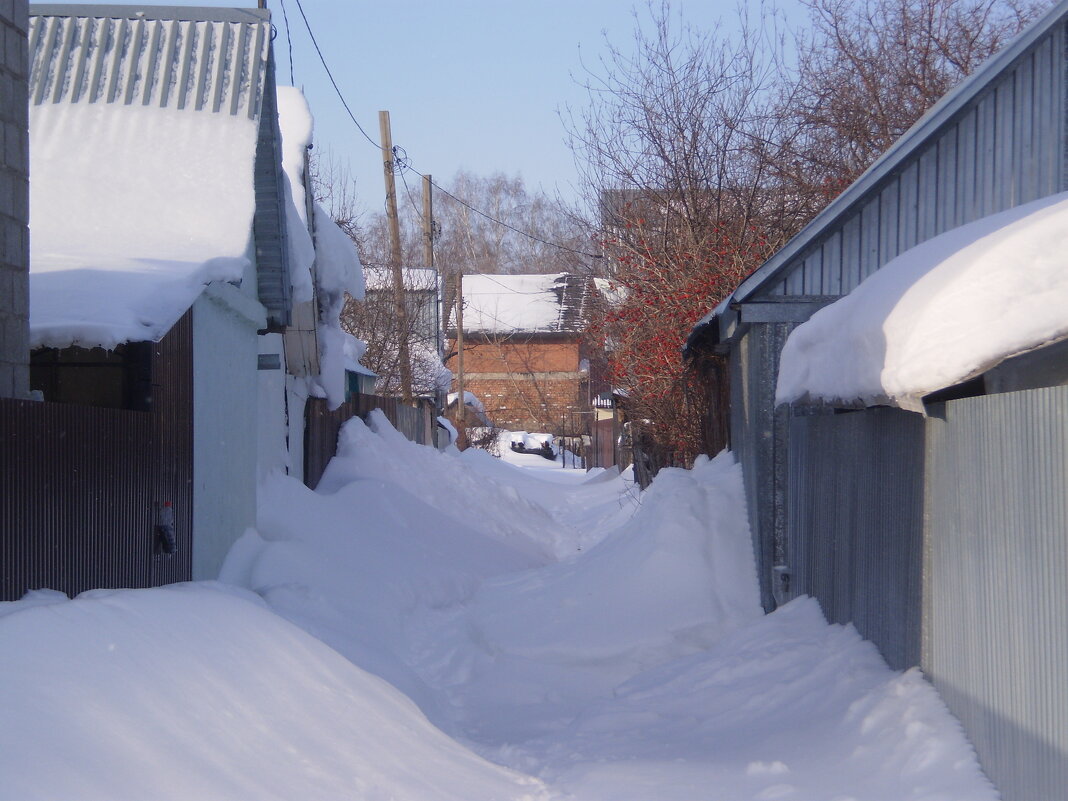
868, 70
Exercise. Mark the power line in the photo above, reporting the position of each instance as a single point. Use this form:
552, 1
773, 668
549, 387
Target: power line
289, 41
405, 166
331, 76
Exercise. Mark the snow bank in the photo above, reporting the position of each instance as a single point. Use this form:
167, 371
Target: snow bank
194, 691
785, 708
327, 269
133, 210
539, 645
295, 124
940, 313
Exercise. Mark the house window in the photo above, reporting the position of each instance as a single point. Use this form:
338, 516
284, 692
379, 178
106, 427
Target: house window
113, 379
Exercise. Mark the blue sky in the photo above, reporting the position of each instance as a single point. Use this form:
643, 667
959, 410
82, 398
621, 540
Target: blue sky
469, 84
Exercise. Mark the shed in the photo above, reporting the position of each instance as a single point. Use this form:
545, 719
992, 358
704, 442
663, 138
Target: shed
172, 268
931, 530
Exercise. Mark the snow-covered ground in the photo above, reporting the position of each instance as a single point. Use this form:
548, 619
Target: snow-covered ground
476, 632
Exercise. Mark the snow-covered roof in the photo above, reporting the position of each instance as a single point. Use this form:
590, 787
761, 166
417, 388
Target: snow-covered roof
509, 304
143, 132
941, 313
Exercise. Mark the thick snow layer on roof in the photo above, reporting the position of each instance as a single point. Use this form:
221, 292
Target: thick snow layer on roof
296, 125
940, 313
133, 210
504, 304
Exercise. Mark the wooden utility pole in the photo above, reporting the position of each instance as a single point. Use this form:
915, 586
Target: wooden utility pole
428, 222
460, 346
399, 299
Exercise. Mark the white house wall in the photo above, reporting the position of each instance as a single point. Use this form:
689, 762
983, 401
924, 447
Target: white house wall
225, 423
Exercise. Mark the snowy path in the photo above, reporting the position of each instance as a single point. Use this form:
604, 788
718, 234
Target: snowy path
592, 647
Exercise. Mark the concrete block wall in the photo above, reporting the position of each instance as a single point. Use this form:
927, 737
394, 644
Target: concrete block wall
14, 200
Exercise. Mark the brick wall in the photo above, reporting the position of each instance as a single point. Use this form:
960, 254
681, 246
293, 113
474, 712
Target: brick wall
14, 201
525, 385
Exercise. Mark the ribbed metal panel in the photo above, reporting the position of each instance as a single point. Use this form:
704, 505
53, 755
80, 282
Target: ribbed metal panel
172, 410
82, 486
855, 523
88, 54
77, 502
996, 596
1004, 147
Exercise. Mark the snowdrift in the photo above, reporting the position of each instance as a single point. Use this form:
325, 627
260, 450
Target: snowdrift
197, 691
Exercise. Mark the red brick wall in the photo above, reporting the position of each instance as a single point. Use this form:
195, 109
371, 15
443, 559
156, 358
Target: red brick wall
528, 386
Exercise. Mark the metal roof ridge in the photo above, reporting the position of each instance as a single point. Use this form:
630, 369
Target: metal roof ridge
151, 12
935, 117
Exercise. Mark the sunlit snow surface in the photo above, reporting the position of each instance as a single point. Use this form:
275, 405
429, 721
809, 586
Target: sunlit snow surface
132, 211
599, 647
942, 312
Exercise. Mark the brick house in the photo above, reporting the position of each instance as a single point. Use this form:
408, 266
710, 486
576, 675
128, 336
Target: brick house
524, 352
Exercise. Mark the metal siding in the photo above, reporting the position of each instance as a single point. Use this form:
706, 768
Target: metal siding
888, 209
1023, 125
869, 238
855, 523
908, 192
1007, 174
967, 176
76, 483
851, 254
997, 605
927, 199
269, 223
172, 408
946, 179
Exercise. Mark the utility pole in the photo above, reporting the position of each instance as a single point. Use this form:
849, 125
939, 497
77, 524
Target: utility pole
460, 345
399, 300
428, 222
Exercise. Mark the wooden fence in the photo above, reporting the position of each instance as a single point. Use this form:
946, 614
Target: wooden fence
322, 425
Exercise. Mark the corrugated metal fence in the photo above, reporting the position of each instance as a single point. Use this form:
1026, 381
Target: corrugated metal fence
996, 587
855, 524
323, 424
945, 541
79, 487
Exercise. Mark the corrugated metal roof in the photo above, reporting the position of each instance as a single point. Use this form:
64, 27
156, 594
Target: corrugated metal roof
203, 59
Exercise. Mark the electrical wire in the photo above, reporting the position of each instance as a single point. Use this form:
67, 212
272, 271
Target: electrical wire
397, 164
331, 76
289, 41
